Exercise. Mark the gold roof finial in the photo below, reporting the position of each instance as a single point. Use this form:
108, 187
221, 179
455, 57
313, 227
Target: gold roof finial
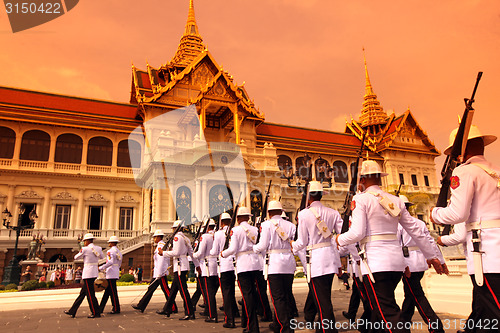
368, 85
191, 44
372, 112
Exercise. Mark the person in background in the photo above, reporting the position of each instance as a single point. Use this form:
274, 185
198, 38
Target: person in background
63, 276
43, 275
78, 275
27, 275
139, 273
69, 275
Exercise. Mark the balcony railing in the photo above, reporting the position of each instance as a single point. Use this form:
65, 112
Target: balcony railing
63, 234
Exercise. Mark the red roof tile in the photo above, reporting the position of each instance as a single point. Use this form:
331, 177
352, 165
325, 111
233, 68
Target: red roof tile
44, 100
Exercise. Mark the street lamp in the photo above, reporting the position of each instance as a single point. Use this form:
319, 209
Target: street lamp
324, 173
299, 174
13, 270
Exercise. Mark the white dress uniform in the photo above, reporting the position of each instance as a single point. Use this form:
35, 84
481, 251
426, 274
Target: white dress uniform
475, 200
280, 266
475, 197
414, 295
459, 236
226, 277
91, 255
161, 262
375, 228
324, 260
181, 249
112, 267
248, 266
208, 264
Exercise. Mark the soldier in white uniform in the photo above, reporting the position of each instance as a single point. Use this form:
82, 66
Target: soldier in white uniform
160, 272
274, 241
91, 254
416, 265
226, 273
181, 249
374, 224
317, 225
112, 268
475, 200
208, 267
248, 265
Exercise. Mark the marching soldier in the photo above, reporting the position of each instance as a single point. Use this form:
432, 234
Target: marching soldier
475, 200
226, 273
280, 264
316, 227
248, 264
181, 248
112, 268
91, 254
414, 272
208, 267
375, 218
160, 272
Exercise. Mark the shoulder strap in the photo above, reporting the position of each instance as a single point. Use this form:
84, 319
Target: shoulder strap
390, 207
323, 229
490, 172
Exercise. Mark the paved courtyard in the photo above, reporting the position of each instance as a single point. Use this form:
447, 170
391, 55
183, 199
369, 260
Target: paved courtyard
42, 311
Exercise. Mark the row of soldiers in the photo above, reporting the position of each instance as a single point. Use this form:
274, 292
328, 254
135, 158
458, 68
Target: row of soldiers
385, 243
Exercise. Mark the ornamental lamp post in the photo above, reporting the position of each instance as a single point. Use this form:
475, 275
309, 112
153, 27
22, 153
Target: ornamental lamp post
13, 270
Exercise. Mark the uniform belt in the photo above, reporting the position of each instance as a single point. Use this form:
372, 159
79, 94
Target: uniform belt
90, 263
116, 265
279, 251
483, 225
377, 238
244, 252
318, 246
208, 257
413, 248
179, 257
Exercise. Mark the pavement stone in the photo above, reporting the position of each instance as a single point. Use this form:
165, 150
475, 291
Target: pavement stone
53, 319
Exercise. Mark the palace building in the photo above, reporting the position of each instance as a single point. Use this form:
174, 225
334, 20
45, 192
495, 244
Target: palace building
74, 161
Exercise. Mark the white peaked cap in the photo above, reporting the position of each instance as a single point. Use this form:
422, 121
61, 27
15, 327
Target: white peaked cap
370, 167
158, 232
113, 239
474, 132
176, 223
243, 211
315, 186
88, 236
283, 215
225, 216
211, 223
274, 205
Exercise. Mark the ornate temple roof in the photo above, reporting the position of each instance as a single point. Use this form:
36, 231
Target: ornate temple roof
372, 112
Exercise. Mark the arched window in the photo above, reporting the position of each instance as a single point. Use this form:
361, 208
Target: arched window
100, 151
183, 204
340, 172
7, 142
220, 200
256, 203
284, 163
301, 167
35, 146
69, 149
129, 154
322, 166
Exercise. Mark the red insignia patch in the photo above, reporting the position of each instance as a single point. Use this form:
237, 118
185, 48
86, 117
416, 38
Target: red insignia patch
454, 182
260, 229
176, 239
231, 233
353, 205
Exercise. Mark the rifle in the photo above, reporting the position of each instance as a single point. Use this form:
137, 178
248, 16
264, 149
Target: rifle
398, 190
303, 200
352, 188
231, 224
205, 228
170, 239
263, 211
457, 150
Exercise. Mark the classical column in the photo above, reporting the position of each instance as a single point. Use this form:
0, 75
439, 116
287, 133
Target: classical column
52, 150
236, 126
85, 148
171, 206
17, 151
10, 198
198, 199
157, 205
112, 223
204, 198
81, 203
46, 209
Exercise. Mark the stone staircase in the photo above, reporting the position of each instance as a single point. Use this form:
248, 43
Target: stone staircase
134, 243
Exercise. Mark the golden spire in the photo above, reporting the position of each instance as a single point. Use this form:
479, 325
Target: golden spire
191, 44
372, 113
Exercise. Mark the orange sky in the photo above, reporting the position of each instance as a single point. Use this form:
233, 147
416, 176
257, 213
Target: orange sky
301, 59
